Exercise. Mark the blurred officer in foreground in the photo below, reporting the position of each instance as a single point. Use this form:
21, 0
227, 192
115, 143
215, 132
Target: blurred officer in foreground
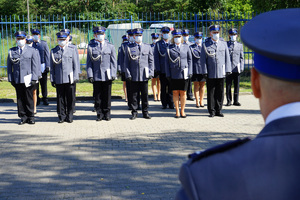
120, 61
23, 72
189, 92
43, 48
179, 69
236, 52
215, 63
101, 67
268, 166
64, 73
29, 42
160, 50
139, 67
155, 82
198, 75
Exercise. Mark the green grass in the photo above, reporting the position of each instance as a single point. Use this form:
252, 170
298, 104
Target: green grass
84, 88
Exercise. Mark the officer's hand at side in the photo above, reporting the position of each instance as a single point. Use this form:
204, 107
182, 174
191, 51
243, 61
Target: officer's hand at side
53, 84
47, 69
91, 80
128, 79
228, 73
33, 82
205, 75
113, 78
76, 81
190, 75
150, 77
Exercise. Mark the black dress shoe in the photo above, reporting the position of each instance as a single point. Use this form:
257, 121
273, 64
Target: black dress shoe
147, 116
45, 102
219, 114
228, 104
61, 121
197, 106
183, 116
190, 98
202, 106
164, 107
211, 115
22, 122
107, 118
31, 121
177, 117
171, 107
69, 120
236, 104
134, 116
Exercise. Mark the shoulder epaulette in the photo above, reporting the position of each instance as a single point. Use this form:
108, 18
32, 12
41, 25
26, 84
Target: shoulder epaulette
92, 41
218, 149
13, 48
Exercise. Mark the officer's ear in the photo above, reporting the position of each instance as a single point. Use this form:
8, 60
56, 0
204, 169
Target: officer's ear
255, 83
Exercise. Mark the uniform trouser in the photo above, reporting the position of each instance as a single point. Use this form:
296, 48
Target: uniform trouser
43, 83
136, 88
166, 94
65, 97
25, 101
189, 92
235, 78
74, 96
129, 95
102, 97
215, 94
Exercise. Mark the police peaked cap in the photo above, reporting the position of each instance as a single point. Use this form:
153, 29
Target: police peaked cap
70, 37
198, 34
20, 34
185, 31
29, 38
66, 31
63, 35
99, 29
124, 37
177, 32
214, 28
273, 56
155, 35
165, 29
130, 32
138, 31
233, 31
35, 31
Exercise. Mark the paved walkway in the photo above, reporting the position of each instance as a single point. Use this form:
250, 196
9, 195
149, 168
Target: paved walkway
116, 160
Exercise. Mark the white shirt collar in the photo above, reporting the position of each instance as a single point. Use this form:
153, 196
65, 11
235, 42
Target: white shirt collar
287, 110
103, 42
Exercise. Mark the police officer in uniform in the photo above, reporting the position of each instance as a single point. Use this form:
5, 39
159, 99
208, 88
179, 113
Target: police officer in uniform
139, 67
101, 67
64, 73
155, 82
160, 50
23, 72
43, 48
198, 75
179, 69
189, 92
236, 52
69, 39
268, 166
215, 62
120, 61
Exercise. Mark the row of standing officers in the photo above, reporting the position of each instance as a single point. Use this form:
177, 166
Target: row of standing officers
175, 62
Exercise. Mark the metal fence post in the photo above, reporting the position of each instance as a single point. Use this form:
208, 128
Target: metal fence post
131, 20
196, 22
64, 22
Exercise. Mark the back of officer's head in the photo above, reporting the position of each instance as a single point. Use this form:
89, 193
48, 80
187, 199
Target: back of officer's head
276, 73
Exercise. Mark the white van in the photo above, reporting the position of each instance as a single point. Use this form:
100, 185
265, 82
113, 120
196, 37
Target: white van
159, 26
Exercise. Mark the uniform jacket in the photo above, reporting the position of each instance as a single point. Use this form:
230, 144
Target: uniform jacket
152, 47
121, 53
174, 70
215, 60
60, 73
76, 50
264, 168
43, 48
159, 53
29, 63
107, 63
196, 55
138, 63
236, 52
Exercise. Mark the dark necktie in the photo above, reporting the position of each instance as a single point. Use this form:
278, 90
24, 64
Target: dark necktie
177, 47
139, 48
21, 51
100, 46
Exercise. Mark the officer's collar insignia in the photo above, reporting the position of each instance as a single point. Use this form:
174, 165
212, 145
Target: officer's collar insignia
56, 59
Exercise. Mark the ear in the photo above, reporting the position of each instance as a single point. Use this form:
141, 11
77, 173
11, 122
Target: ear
255, 83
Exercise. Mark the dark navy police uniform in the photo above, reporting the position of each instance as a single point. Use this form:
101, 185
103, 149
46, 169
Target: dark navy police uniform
268, 166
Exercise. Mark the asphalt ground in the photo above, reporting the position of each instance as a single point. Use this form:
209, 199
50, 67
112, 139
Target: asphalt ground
119, 159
